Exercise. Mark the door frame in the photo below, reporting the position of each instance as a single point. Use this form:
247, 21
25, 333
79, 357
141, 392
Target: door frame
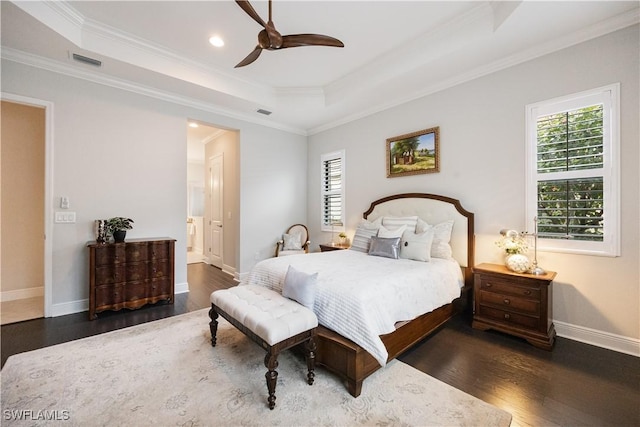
48, 190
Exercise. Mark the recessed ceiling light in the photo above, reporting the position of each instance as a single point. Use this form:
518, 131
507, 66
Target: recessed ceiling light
216, 41
193, 125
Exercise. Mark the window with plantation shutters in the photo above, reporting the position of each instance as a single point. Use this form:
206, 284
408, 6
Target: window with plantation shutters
332, 191
572, 172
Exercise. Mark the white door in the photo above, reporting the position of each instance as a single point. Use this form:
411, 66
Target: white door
217, 209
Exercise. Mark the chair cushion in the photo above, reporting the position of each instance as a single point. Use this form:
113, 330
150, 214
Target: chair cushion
292, 241
266, 313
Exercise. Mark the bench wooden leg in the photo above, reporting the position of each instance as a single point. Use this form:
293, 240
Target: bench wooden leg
213, 325
310, 356
271, 363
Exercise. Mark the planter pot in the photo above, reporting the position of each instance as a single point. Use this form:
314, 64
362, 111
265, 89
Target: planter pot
518, 263
118, 236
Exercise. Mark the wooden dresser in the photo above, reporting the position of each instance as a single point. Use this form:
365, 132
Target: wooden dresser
130, 274
518, 304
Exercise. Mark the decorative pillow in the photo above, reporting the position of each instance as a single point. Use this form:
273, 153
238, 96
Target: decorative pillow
393, 222
416, 246
395, 232
362, 237
440, 248
385, 247
292, 242
300, 287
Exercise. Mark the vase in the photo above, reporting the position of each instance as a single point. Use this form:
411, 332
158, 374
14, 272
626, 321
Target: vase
518, 263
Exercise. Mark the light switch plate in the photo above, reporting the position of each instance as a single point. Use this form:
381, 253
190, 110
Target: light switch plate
65, 217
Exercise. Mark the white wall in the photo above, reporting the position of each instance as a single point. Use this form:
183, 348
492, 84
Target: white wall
482, 164
117, 153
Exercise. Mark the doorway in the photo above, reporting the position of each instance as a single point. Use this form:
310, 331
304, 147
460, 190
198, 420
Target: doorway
25, 253
213, 186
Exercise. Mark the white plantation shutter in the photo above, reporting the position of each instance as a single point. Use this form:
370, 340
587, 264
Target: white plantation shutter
572, 178
332, 191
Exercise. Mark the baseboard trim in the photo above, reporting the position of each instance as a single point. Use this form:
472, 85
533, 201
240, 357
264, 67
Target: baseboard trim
181, 288
70, 307
602, 339
21, 294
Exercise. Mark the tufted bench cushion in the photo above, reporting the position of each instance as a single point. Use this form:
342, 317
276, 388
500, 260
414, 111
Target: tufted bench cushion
266, 313
273, 321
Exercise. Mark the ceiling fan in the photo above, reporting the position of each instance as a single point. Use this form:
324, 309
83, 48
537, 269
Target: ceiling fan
270, 39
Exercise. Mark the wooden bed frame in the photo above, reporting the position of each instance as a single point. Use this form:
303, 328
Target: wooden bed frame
350, 361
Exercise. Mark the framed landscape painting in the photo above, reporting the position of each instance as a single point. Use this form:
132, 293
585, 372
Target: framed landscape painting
414, 153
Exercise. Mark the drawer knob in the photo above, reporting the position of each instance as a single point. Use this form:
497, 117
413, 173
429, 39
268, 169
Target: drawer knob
527, 292
507, 316
488, 285
506, 301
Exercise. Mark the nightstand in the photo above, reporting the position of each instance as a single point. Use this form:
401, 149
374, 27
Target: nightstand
517, 304
326, 247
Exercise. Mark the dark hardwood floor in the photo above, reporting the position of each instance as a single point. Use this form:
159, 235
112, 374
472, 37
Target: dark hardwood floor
574, 385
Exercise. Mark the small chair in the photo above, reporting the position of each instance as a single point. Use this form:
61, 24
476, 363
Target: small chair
294, 241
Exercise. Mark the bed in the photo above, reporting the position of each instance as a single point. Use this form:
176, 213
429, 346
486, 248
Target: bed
366, 322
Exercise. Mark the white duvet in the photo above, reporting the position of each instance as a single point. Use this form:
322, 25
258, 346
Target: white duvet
362, 297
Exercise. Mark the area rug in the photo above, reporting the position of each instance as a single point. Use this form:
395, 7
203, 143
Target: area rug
165, 373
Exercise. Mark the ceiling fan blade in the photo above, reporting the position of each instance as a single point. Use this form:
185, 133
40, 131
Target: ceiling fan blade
246, 6
250, 58
296, 40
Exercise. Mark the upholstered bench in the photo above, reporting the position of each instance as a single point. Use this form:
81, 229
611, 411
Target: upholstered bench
276, 323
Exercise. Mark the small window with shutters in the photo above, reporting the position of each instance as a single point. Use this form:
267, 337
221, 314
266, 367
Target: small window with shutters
572, 172
332, 192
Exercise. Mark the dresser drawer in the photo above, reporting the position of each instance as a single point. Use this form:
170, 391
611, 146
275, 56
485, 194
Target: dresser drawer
137, 252
136, 271
110, 274
159, 269
492, 284
508, 317
158, 251
160, 287
107, 296
510, 303
110, 254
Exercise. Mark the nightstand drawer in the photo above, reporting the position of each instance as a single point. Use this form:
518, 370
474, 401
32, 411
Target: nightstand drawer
510, 303
509, 318
492, 284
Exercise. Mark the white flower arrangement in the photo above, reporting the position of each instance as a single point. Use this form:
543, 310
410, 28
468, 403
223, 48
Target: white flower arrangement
513, 242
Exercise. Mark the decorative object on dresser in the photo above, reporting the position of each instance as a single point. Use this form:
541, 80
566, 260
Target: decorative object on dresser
101, 230
326, 247
535, 268
414, 153
515, 246
518, 304
130, 275
118, 226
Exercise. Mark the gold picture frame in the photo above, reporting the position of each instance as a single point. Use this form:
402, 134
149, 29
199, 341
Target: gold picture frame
414, 153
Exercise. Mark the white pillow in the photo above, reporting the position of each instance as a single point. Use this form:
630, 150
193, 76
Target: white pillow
440, 247
365, 231
292, 242
300, 287
416, 246
393, 222
389, 233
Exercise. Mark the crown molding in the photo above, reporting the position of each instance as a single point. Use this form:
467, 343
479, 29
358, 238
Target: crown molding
611, 25
35, 61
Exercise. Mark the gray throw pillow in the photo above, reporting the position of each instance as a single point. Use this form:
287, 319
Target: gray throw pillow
388, 247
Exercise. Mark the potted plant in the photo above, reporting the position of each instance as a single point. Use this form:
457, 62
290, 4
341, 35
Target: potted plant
118, 227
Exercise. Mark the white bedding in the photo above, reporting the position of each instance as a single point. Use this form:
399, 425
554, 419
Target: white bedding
362, 297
